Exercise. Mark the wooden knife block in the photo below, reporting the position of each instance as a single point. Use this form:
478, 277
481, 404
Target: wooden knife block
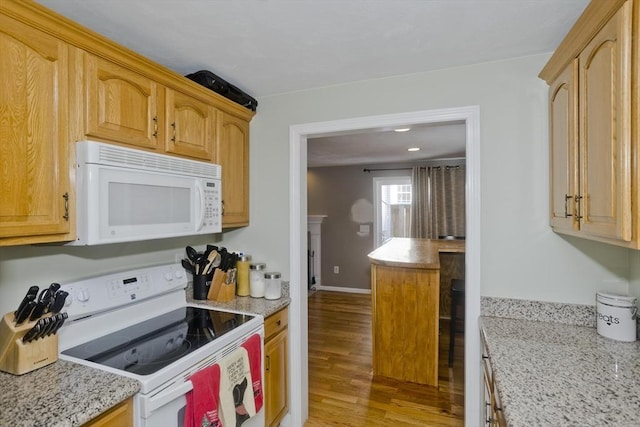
220, 290
19, 358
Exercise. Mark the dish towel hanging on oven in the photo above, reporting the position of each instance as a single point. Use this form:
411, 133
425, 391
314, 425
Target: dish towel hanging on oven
202, 401
229, 392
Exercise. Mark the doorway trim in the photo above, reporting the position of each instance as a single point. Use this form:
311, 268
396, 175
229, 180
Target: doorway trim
298, 325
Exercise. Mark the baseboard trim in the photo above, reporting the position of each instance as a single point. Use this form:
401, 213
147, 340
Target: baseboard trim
341, 289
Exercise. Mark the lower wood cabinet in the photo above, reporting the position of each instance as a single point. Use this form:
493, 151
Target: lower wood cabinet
118, 416
275, 367
405, 323
492, 408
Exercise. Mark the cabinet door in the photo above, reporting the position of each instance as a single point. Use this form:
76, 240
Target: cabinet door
605, 131
275, 369
34, 174
119, 416
563, 149
190, 126
233, 154
121, 105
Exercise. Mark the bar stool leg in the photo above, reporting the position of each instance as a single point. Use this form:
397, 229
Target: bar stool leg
452, 326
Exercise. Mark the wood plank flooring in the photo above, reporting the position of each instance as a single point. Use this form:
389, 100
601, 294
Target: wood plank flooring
342, 389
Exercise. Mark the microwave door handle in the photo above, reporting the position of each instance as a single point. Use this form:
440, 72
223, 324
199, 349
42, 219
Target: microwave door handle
200, 221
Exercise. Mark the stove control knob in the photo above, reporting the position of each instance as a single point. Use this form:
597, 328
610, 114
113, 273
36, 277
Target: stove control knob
179, 274
168, 276
83, 295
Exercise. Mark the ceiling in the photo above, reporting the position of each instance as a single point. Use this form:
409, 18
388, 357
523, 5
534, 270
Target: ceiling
267, 47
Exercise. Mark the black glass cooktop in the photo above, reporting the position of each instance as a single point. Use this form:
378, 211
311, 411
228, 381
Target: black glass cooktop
153, 344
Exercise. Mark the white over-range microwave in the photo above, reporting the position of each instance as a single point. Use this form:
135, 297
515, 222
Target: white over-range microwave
126, 195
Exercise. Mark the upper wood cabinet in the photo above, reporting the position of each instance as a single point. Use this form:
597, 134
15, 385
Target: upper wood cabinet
34, 173
233, 154
63, 83
121, 105
563, 149
190, 126
594, 142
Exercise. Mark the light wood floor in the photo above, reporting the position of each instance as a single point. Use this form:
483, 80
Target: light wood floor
342, 390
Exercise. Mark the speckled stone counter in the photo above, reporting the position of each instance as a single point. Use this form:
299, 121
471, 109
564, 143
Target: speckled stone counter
63, 394
248, 305
553, 374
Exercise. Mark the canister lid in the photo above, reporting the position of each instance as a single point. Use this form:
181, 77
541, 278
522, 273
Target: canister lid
245, 257
615, 299
258, 266
272, 275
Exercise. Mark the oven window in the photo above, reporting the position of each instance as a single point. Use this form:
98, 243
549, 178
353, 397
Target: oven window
151, 345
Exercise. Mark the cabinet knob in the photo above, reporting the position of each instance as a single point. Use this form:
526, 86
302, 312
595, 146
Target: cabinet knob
155, 126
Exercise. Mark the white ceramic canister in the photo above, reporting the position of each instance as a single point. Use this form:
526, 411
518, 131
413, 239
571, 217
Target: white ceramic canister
256, 279
616, 316
272, 285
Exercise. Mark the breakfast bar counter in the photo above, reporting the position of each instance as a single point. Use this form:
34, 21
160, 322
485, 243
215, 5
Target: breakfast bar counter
405, 287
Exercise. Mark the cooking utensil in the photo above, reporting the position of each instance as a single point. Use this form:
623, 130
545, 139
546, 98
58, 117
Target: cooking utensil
60, 318
58, 302
187, 265
192, 254
38, 310
26, 311
29, 296
213, 261
32, 333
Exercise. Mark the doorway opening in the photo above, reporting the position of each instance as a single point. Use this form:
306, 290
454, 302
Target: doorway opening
298, 241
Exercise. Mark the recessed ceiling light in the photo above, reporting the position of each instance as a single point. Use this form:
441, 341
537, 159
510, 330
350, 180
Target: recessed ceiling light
401, 129
413, 149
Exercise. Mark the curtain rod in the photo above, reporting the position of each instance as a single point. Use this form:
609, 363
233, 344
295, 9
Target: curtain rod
391, 169
404, 169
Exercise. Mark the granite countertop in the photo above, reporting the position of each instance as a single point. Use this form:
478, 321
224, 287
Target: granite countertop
414, 253
248, 305
553, 374
63, 394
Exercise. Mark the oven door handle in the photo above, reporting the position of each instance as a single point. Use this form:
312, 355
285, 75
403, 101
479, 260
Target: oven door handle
163, 398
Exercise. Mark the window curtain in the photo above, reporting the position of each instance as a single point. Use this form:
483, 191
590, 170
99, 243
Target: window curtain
438, 201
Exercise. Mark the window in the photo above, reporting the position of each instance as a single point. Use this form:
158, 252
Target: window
392, 208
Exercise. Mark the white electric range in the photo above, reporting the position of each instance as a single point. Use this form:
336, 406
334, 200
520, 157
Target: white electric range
138, 324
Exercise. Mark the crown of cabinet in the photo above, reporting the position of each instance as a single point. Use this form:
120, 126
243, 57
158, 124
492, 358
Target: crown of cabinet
594, 133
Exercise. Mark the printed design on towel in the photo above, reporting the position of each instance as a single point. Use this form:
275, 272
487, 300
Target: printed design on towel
236, 399
254, 348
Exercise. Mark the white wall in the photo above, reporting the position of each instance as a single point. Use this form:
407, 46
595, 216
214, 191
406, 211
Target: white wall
635, 274
521, 257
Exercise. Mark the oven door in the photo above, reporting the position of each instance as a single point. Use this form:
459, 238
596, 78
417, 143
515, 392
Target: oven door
167, 408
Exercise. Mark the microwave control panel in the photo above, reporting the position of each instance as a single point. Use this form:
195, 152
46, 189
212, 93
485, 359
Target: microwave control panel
212, 205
